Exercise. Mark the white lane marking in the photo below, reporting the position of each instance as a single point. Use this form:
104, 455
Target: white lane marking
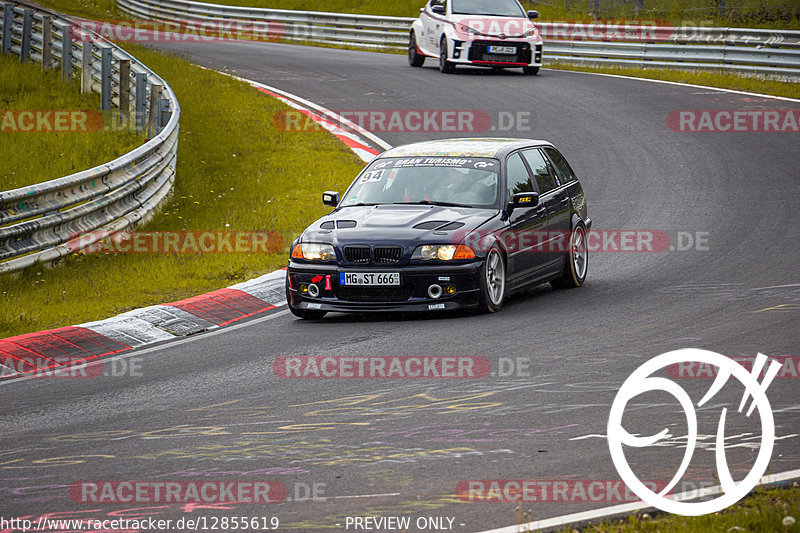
361, 496
561, 521
776, 287
734, 91
135, 353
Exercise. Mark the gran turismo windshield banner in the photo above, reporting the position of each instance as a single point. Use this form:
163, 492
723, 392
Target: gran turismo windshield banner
480, 163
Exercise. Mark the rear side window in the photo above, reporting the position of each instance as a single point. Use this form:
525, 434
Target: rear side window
565, 173
541, 172
517, 176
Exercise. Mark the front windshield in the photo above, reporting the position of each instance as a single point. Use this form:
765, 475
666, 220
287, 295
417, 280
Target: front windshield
457, 181
497, 8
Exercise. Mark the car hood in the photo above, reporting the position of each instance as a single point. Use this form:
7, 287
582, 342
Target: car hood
509, 27
406, 225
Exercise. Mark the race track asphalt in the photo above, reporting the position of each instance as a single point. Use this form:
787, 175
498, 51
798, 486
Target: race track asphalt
210, 407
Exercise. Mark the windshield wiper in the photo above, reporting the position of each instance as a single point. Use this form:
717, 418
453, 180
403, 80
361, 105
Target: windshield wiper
489, 14
430, 202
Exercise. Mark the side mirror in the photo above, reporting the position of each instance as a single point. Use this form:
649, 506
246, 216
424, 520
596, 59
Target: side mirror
525, 199
330, 198
533, 14
438, 9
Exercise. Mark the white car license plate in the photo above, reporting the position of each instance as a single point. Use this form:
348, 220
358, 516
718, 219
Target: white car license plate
502, 50
390, 279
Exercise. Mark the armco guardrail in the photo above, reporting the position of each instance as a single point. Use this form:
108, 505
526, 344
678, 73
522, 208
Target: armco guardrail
43, 222
753, 51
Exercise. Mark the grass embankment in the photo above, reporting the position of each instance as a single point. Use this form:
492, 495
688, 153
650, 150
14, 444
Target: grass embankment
764, 510
751, 13
235, 172
28, 157
782, 14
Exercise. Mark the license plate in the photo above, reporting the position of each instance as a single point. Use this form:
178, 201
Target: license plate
370, 278
502, 50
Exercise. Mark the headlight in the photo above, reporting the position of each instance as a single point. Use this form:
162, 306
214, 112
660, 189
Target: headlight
314, 252
531, 32
463, 28
442, 252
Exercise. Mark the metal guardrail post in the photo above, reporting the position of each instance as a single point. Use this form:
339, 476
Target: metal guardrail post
163, 113
140, 106
30, 233
27, 28
47, 42
66, 52
86, 66
8, 17
154, 122
124, 90
105, 78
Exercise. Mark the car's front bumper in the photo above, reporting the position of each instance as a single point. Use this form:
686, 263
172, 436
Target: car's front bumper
475, 52
411, 295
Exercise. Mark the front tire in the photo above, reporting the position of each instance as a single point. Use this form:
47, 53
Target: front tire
493, 281
445, 66
530, 71
577, 261
305, 314
415, 59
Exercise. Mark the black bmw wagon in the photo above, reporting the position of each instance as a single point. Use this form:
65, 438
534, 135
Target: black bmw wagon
444, 225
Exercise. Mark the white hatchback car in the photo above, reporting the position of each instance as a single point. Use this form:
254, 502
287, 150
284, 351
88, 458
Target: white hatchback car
486, 33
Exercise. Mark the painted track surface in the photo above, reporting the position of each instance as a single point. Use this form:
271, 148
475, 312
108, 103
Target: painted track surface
211, 408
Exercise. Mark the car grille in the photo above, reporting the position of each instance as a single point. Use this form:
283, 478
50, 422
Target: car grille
388, 254
478, 52
374, 294
357, 254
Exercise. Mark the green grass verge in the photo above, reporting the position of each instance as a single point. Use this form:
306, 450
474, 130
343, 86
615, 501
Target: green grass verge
235, 172
33, 157
782, 14
751, 13
711, 79
90, 9
762, 511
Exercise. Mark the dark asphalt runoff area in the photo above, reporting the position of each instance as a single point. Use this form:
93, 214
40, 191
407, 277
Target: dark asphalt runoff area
210, 408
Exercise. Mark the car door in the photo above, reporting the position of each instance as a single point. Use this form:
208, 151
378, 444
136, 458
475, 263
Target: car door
569, 182
525, 225
556, 202
433, 25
